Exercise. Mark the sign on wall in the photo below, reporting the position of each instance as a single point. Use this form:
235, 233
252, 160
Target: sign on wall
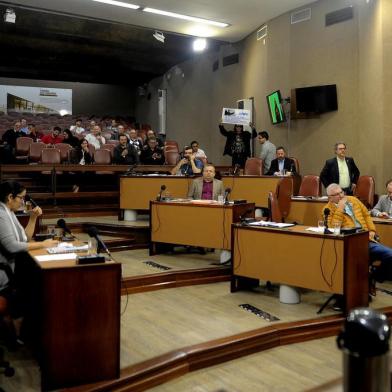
35, 100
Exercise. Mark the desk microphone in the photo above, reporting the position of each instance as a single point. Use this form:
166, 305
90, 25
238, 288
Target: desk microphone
159, 198
236, 169
327, 211
226, 195
61, 223
92, 231
30, 199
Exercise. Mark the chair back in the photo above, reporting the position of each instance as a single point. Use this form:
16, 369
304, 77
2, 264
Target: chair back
35, 150
114, 142
64, 151
296, 163
50, 155
284, 192
171, 157
171, 145
253, 167
110, 147
364, 190
310, 186
102, 157
273, 206
23, 145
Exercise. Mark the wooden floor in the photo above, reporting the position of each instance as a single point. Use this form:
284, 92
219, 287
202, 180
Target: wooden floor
158, 322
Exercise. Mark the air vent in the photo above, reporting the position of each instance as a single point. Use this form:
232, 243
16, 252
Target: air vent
215, 65
301, 15
262, 33
339, 16
232, 59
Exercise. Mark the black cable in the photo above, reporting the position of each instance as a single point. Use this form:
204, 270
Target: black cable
158, 219
224, 224
330, 281
126, 303
238, 250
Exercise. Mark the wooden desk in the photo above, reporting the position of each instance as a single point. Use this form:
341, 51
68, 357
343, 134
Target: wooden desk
137, 191
308, 212
78, 321
205, 225
292, 256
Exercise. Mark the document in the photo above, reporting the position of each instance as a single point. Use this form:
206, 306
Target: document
235, 116
67, 256
271, 224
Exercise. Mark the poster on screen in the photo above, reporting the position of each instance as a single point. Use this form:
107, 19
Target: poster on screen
235, 116
24, 99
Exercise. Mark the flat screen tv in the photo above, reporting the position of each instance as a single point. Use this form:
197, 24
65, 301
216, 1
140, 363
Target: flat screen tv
317, 99
275, 108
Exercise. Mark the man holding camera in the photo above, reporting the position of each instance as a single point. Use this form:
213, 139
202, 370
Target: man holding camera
188, 165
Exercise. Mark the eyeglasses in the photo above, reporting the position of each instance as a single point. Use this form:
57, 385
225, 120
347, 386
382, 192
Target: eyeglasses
341, 148
336, 194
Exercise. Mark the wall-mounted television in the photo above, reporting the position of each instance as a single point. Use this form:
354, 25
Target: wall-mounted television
316, 99
275, 108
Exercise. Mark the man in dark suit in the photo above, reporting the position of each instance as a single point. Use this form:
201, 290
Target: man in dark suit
340, 170
281, 165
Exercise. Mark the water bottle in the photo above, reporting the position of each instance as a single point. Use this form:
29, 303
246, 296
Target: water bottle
365, 345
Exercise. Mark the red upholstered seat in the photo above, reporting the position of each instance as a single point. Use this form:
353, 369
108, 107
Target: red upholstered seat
310, 186
365, 189
253, 167
273, 206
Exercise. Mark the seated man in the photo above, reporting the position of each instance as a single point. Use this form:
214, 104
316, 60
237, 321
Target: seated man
77, 128
124, 153
206, 187
281, 165
188, 165
349, 212
383, 208
95, 137
152, 154
54, 137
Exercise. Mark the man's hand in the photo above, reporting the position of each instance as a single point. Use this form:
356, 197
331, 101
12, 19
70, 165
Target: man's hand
382, 215
342, 203
124, 153
183, 161
372, 235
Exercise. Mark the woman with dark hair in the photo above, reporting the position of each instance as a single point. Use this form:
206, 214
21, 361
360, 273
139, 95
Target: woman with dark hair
15, 241
81, 155
237, 143
70, 139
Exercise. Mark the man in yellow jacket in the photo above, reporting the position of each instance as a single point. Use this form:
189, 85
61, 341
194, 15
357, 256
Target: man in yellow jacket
349, 212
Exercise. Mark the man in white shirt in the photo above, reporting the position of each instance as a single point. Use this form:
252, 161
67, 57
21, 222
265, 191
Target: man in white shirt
95, 137
77, 128
198, 152
383, 208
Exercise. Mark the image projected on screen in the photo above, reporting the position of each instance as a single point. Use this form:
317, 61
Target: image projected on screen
275, 107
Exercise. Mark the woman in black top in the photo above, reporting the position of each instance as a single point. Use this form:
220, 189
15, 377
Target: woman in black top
81, 155
70, 139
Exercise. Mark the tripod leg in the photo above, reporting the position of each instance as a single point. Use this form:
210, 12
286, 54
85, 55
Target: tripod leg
333, 296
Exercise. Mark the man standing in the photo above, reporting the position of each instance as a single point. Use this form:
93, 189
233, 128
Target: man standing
383, 208
206, 187
268, 150
281, 165
188, 165
340, 170
124, 153
349, 212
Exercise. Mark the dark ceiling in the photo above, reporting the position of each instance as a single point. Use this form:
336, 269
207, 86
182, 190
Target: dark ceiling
50, 46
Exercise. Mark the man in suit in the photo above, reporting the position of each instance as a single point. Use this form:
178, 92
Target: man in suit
206, 187
281, 164
341, 170
383, 208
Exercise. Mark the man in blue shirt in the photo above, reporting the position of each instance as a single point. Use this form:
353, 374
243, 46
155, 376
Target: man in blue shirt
188, 165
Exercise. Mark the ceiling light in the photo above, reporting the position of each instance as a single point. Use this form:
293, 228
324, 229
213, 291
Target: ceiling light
199, 44
158, 35
185, 17
119, 4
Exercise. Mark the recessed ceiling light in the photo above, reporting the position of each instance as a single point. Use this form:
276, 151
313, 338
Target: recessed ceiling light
185, 17
199, 44
119, 4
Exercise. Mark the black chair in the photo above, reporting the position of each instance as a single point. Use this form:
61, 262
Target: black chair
5, 365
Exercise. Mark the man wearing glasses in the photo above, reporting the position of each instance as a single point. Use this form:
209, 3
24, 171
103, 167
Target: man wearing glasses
349, 212
340, 170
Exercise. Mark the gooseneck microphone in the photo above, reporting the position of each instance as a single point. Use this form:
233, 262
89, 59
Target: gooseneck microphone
226, 195
92, 231
61, 223
327, 211
159, 198
236, 169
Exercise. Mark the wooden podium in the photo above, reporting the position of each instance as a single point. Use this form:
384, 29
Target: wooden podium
77, 326
334, 264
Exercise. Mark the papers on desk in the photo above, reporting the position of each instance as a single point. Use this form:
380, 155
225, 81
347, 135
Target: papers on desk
68, 256
321, 198
271, 224
66, 247
315, 229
